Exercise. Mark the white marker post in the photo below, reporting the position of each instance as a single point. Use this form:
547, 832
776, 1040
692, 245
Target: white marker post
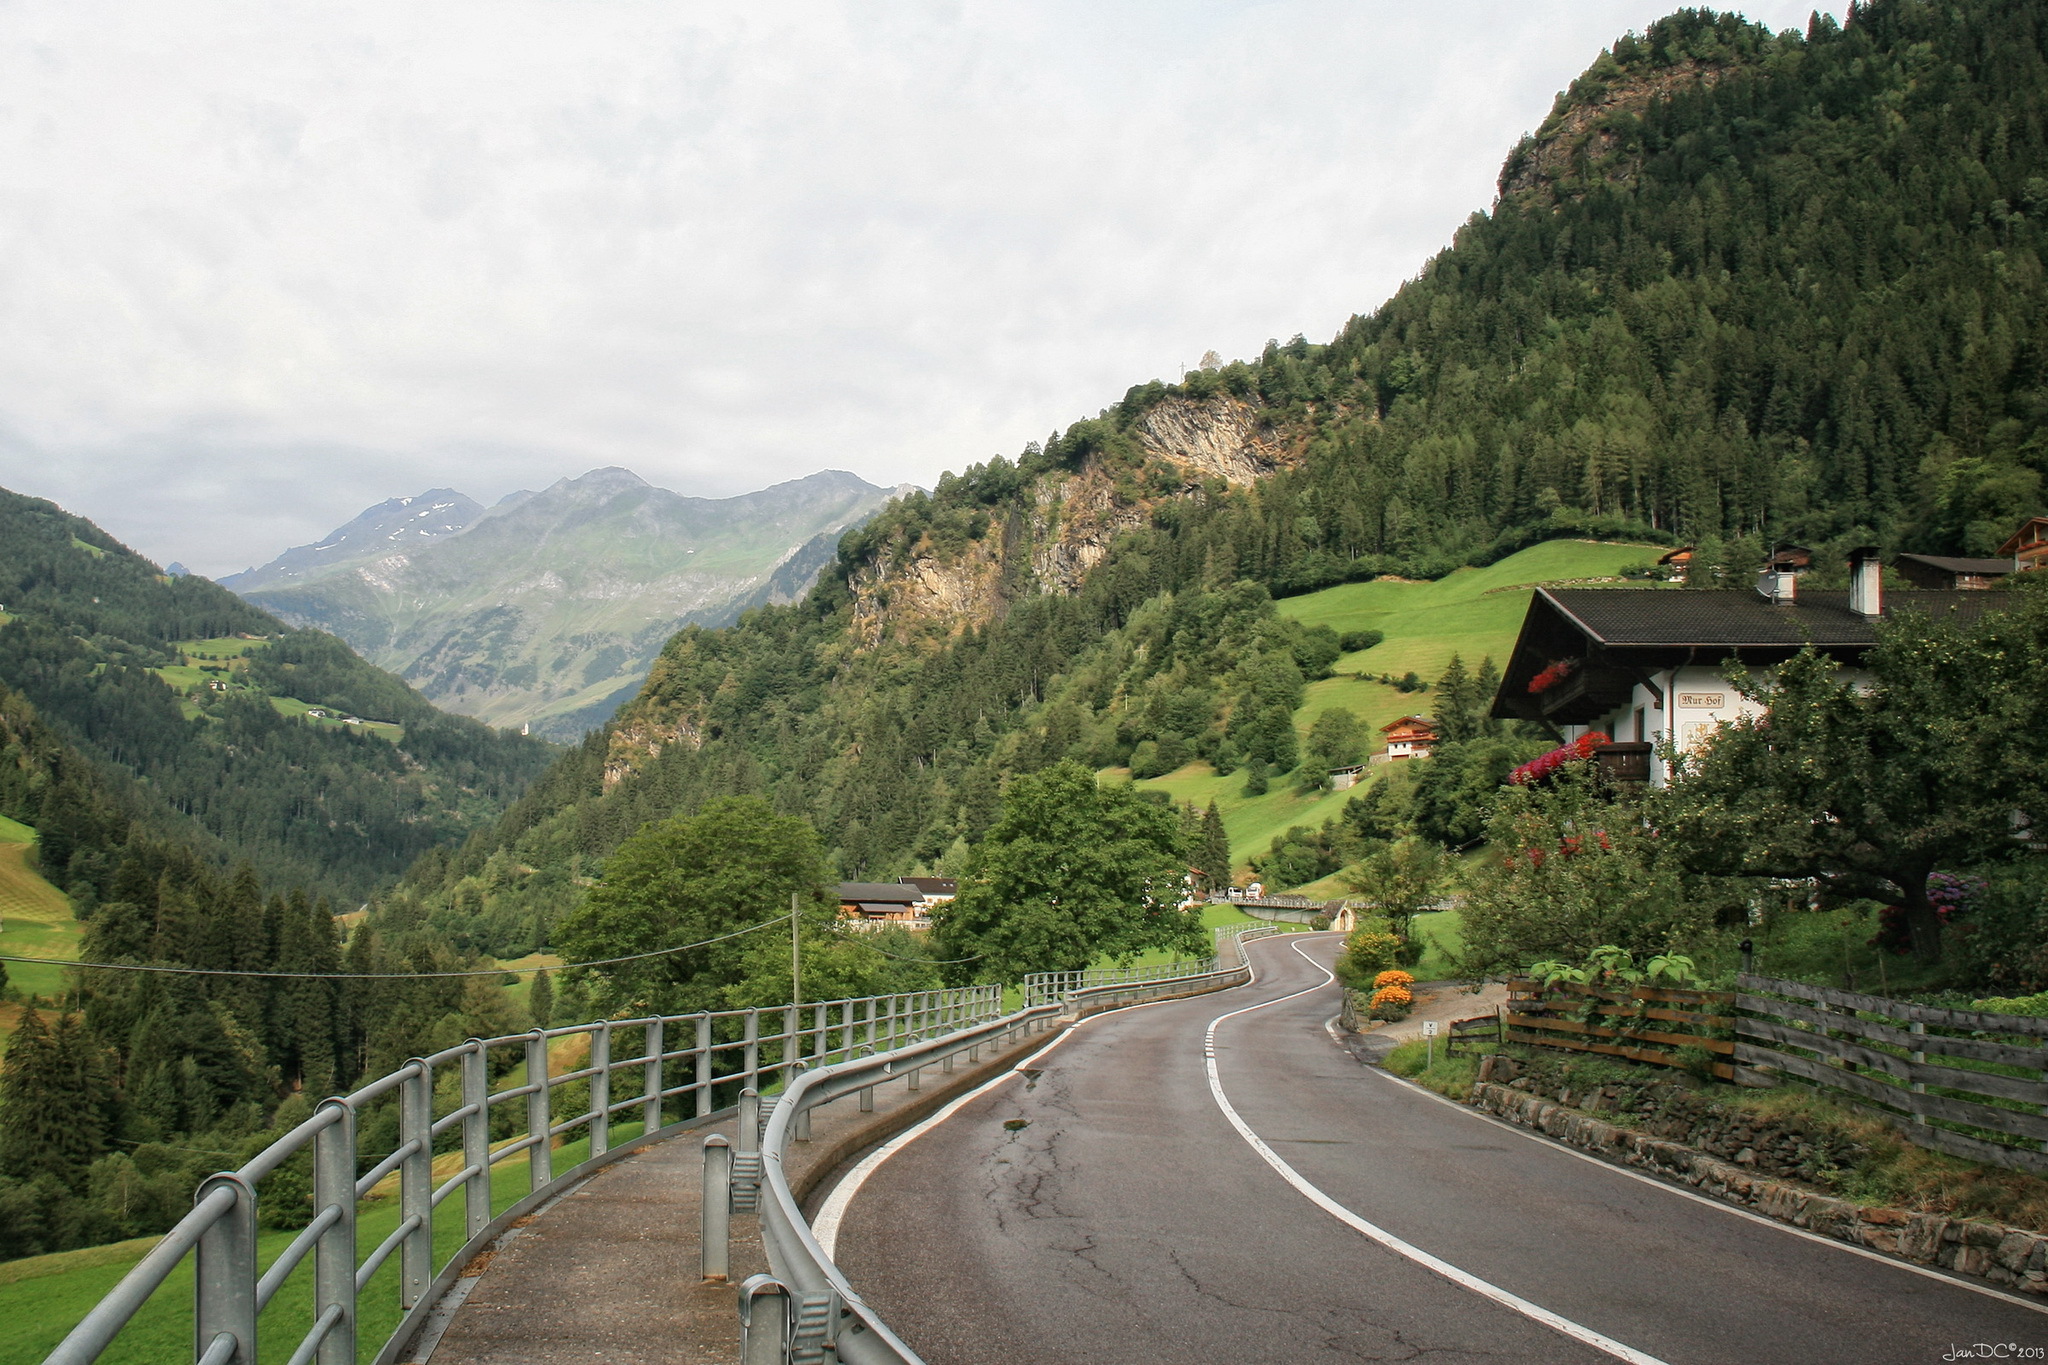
1429, 1034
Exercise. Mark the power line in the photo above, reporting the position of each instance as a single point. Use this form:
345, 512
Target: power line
934, 961
385, 976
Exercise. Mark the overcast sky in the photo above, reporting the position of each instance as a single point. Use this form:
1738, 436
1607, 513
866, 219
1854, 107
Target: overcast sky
265, 264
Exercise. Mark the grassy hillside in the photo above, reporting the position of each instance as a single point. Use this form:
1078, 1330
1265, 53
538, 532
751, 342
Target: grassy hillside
41, 1297
1741, 286
35, 921
1472, 612
209, 668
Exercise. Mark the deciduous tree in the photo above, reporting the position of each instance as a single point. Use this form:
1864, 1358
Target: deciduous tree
1937, 763
1074, 872
734, 864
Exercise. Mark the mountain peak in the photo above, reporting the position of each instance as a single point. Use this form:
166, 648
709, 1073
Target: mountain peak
393, 526
550, 607
610, 479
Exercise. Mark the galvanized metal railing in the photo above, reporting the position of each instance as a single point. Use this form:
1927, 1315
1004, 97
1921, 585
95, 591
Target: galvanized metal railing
1045, 987
725, 1052
806, 1307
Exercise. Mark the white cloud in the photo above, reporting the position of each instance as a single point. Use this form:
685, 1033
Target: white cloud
267, 263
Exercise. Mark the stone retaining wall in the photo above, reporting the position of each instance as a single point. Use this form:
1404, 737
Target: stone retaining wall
2006, 1256
1785, 1145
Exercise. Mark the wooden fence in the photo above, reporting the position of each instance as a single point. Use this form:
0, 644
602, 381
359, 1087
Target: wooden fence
1984, 1097
1623, 1022
1473, 1035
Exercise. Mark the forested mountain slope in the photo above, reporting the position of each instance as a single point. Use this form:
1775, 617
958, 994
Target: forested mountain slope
229, 731
1739, 286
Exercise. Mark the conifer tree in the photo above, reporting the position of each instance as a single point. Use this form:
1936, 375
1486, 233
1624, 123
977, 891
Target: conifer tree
540, 1000
304, 1030
1215, 850
50, 1118
1255, 783
239, 912
1455, 719
1485, 685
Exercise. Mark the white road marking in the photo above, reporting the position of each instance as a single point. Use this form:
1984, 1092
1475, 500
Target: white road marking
1653, 1182
832, 1213
1465, 1279
825, 1227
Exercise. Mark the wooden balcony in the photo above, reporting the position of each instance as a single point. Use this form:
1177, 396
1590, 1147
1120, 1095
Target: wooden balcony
1586, 695
1625, 762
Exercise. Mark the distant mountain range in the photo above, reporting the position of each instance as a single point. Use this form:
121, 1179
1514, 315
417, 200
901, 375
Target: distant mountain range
548, 609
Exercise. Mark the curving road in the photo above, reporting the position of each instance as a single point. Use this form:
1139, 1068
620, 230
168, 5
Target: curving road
1103, 1207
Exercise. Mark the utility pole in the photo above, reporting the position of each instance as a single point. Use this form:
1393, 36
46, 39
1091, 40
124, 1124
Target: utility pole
796, 961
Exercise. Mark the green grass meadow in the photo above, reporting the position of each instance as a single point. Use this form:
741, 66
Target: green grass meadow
35, 921
190, 675
1472, 612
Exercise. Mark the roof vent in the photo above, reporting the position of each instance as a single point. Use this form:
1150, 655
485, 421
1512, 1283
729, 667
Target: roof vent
1866, 582
1778, 586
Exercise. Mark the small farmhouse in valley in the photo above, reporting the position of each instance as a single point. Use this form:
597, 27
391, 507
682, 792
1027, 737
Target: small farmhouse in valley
1631, 666
882, 903
933, 889
1409, 737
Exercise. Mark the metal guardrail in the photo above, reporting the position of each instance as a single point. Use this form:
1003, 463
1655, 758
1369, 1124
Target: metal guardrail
806, 1308
819, 1052
726, 1051
1045, 987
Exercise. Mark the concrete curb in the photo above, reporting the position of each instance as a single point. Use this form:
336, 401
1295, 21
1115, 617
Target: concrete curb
2012, 1258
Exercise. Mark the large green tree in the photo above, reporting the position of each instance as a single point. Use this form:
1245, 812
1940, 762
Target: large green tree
1936, 761
693, 878
1401, 880
1073, 873
1333, 742
1574, 865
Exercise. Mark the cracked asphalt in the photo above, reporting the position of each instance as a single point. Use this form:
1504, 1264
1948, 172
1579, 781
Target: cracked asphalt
1099, 1208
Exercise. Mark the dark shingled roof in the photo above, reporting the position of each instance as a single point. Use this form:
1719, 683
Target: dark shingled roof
1947, 565
1675, 616
893, 893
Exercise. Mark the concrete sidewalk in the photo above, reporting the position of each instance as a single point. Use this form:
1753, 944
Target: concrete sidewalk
607, 1274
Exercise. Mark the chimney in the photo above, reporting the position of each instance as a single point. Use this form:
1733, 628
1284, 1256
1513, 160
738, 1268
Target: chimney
1866, 588
1778, 585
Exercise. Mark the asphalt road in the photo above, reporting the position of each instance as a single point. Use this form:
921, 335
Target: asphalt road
1101, 1207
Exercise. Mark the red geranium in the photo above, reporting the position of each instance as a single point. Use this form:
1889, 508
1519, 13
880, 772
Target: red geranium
1552, 676
1543, 765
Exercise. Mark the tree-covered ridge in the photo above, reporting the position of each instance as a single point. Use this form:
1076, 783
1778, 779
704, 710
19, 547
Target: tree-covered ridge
1810, 309
91, 627
896, 753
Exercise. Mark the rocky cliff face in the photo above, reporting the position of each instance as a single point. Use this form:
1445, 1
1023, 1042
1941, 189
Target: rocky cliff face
640, 739
1221, 437
1582, 140
1073, 520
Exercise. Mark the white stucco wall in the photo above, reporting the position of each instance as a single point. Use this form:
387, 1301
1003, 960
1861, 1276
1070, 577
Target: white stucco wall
1696, 699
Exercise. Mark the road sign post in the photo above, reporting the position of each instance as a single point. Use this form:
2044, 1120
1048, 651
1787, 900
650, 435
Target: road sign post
1429, 1035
